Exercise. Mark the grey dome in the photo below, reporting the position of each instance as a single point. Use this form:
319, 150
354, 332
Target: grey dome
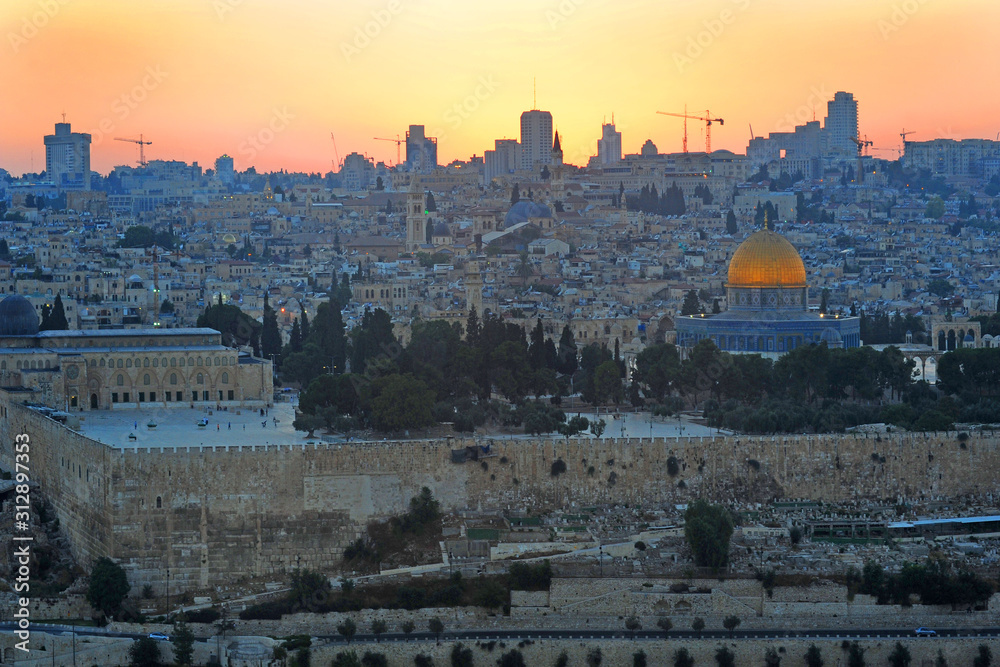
441, 229
524, 209
17, 317
831, 337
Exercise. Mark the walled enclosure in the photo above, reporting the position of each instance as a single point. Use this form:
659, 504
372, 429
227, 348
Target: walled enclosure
213, 515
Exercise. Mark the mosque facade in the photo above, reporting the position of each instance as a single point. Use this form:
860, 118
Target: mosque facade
125, 368
768, 310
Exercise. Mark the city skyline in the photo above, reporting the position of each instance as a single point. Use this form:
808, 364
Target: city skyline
268, 85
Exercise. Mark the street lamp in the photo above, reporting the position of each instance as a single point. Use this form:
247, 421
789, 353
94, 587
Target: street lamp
168, 592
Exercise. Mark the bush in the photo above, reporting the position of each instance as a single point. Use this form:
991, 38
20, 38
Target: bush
558, 467
673, 467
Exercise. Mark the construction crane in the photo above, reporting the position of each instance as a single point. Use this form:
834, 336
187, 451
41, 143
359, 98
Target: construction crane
707, 119
902, 135
336, 153
142, 144
399, 142
862, 144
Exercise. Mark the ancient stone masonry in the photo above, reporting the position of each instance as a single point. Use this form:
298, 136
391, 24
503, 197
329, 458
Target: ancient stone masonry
220, 513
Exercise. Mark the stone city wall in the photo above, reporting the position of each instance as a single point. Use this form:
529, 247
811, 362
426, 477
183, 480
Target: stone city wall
217, 514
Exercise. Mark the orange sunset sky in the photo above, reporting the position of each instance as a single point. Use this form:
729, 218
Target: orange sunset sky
267, 81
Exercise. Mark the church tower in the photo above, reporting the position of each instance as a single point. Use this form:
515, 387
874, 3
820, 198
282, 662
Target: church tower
417, 218
558, 186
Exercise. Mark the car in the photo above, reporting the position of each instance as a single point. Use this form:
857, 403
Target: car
925, 632
159, 636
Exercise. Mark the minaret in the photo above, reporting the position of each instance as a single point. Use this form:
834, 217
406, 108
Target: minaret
473, 289
416, 216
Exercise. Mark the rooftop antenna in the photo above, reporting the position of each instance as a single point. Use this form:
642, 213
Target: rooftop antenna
534, 93
64, 116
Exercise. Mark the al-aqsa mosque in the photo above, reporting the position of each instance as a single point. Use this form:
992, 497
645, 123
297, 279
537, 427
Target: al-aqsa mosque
768, 305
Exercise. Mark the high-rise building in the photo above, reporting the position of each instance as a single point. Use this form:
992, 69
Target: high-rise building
421, 150
504, 159
67, 158
609, 146
224, 169
536, 139
842, 124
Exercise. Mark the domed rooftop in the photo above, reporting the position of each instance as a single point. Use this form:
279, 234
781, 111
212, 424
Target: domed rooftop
17, 317
524, 209
766, 259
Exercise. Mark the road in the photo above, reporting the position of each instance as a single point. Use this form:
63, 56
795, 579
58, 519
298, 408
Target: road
640, 635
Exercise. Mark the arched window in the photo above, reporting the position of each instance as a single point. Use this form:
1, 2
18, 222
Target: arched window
199, 361
173, 378
225, 361
218, 362
3, 365
173, 361
145, 378
120, 380
190, 361
128, 363
120, 363
225, 378
93, 363
201, 379
145, 362
18, 364
159, 502
102, 363
182, 362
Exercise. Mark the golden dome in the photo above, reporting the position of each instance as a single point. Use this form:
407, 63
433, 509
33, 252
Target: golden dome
766, 259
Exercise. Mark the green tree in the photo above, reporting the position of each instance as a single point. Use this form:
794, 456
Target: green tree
731, 623
562, 660
632, 624
346, 659
814, 657
682, 658
407, 627
984, 658
137, 236
664, 623
379, 627
108, 586
691, 305
940, 661
512, 658
900, 656
567, 352
303, 657
183, 640
421, 660
371, 659
657, 369
594, 657
144, 652
524, 268
855, 655
724, 657
707, 530
639, 659
771, 658
698, 625
461, 656
436, 627
608, 384
270, 337
731, 227
167, 307
347, 629
515, 194
940, 287
401, 402
935, 208
56, 320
